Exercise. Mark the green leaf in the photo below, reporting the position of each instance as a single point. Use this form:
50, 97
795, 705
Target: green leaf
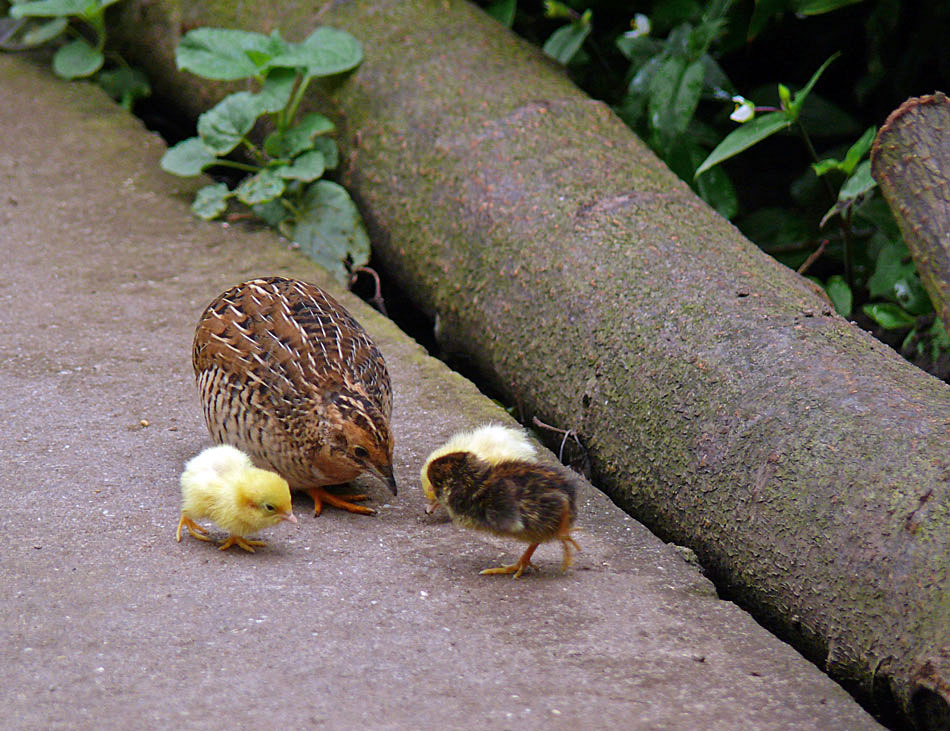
818, 7
124, 84
298, 138
261, 187
840, 294
49, 8
911, 295
77, 59
940, 341
276, 90
273, 213
858, 150
189, 157
309, 166
331, 153
327, 51
674, 94
211, 201
223, 53
858, 184
744, 137
889, 316
800, 96
503, 11
330, 229
892, 265
566, 41
45, 32
223, 126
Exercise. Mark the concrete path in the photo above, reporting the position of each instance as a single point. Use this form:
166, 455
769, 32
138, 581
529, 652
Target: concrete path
344, 621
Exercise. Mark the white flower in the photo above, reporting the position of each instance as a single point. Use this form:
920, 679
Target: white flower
640, 25
744, 111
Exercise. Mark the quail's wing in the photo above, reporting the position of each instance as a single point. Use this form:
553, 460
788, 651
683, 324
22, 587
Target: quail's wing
338, 344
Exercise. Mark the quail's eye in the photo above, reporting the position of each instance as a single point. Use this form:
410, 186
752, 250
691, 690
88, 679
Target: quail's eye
268, 507
360, 452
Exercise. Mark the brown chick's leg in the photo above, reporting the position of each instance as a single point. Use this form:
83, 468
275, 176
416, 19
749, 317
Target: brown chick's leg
321, 496
516, 568
244, 543
196, 530
564, 536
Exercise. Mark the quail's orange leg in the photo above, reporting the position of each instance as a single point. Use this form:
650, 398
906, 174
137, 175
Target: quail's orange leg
344, 502
196, 530
516, 568
245, 543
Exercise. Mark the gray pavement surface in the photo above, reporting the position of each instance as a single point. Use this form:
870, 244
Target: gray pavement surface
343, 621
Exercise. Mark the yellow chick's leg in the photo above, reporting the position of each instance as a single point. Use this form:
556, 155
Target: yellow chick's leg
244, 543
196, 530
516, 568
345, 502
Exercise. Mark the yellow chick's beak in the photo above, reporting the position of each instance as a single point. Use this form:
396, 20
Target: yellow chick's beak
289, 517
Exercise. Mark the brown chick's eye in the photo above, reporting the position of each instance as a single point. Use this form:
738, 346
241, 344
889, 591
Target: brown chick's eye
360, 453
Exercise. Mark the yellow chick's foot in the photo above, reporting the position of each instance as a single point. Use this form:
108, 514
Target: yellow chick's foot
344, 502
196, 530
516, 568
244, 543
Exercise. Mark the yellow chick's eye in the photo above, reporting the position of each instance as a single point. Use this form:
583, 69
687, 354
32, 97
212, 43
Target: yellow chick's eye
268, 507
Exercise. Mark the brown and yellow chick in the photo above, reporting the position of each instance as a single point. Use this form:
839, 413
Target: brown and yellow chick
286, 374
222, 485
490, 480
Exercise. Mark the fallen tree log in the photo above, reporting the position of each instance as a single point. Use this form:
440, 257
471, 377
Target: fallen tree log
720, 400
911, 162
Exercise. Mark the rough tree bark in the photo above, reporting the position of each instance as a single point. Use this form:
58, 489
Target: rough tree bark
911, 162
720, 400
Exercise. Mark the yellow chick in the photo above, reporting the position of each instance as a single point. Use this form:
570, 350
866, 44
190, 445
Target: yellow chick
490, 480
222, 485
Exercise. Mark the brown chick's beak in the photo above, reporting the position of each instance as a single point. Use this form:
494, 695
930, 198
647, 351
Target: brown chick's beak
289, 517
432, 507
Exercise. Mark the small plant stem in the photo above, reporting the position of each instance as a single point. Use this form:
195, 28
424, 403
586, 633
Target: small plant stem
290, 111
255, 150
237, 165
813, 257
295, 212
844, 225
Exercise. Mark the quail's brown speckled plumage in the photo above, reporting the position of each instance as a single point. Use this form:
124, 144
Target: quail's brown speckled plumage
286, 374
518, 498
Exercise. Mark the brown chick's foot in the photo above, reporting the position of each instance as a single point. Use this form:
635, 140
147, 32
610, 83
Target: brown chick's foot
564, 536
566, 543
321, 496
244, 543
516, 568
196, 530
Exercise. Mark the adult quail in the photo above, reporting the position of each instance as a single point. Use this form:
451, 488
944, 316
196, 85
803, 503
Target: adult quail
287, 375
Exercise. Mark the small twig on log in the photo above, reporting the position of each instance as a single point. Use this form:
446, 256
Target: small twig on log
377, 298
568, 434
813, 256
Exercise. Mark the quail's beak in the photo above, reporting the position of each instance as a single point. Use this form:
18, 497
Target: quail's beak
387, 476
